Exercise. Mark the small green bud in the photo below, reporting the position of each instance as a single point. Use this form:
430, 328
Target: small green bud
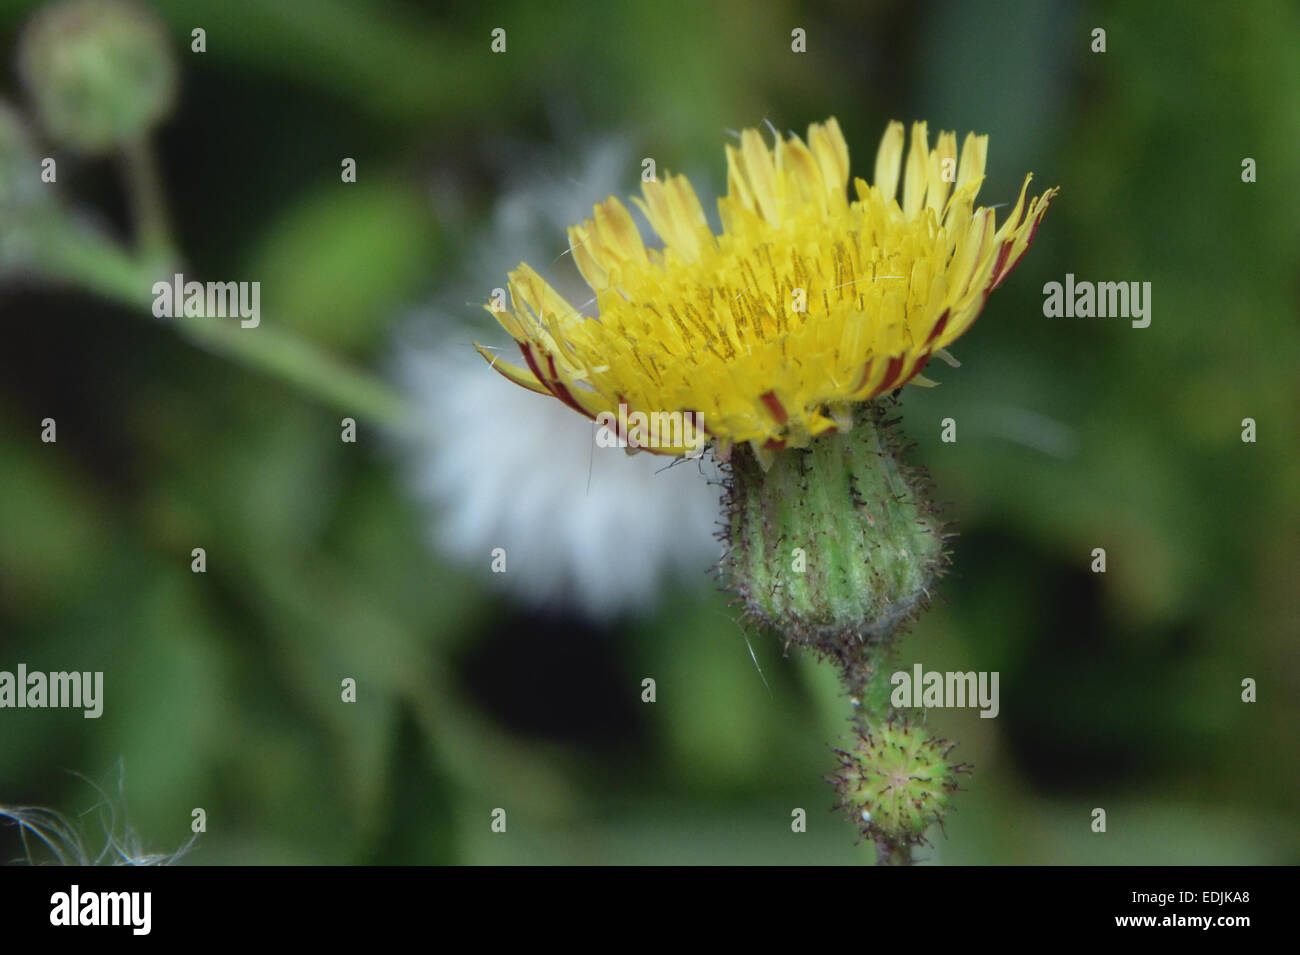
835, 544
100, 72
895, 780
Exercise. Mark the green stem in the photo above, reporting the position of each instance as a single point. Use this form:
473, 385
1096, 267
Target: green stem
148, 206
101, 266
865, 671
892, 852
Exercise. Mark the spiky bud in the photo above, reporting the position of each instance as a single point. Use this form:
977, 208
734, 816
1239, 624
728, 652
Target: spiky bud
835, 544
895, 780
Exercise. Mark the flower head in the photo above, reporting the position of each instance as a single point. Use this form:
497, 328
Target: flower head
806, 302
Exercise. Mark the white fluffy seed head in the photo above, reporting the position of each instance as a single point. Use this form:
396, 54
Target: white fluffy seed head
587, 527
583, 527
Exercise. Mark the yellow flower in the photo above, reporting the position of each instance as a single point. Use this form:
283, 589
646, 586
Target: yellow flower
805, 303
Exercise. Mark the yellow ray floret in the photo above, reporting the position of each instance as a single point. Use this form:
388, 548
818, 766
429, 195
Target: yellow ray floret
806, 302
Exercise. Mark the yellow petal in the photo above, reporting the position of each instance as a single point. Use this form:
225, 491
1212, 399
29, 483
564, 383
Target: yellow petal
889, 159
520, 376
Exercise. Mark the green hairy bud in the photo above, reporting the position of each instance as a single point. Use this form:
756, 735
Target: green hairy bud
836, 543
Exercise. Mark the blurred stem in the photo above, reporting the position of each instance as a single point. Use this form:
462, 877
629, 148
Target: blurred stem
101, 266
144, 189
300, 363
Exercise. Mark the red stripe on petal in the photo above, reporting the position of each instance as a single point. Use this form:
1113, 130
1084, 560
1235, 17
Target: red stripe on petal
704, 426
892, 373
527, 350
618, 431
773, 404
1033, 231
920, 366
866, 376
939, 326
562, 392
999, 267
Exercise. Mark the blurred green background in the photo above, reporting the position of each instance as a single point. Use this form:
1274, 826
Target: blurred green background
1119, 691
